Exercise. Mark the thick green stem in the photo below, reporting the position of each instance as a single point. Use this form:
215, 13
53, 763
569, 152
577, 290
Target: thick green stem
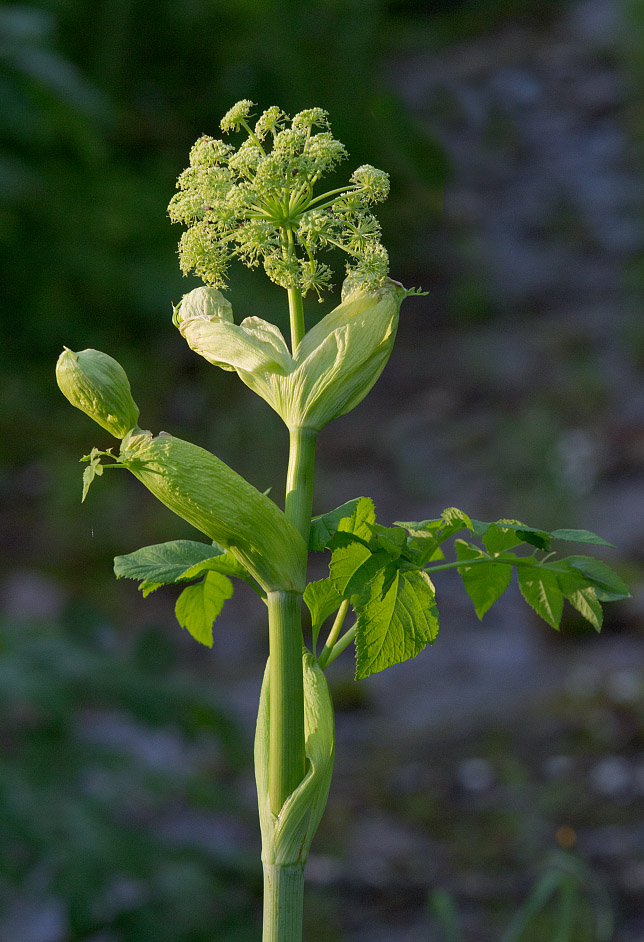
286, 751
286, 757
284, 885
299, 480
283, 894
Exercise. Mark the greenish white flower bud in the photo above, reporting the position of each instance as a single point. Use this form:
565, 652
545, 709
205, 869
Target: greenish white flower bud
286, 837
97, 385
203, 490
332, 369
203, 302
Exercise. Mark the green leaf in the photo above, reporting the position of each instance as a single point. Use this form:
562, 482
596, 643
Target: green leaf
454, 520
324, 527
359, 523
498, 539
582, 597
222, 562
484, 582
420, 528
540, 588
147, 588
580, 536
422, 544
506, 534
538, 538
199, 605
426, 536
225, 563
450, 522
607, 584
162, 562
396, 619
353, 565
93, 469
390, 539
322, 599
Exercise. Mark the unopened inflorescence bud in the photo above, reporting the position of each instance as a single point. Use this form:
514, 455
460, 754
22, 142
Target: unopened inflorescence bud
97, 384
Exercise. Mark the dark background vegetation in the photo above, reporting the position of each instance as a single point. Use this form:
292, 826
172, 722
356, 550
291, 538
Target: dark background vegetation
512, 130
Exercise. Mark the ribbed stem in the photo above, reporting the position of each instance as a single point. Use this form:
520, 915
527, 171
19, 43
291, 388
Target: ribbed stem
283, 894
296, 316
286, 757
299, 480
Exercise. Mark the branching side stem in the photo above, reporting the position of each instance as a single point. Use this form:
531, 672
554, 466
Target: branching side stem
340, 645
336, 628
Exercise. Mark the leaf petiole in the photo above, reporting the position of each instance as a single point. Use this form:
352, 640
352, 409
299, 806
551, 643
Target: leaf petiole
336, 628
510, 561
340, 645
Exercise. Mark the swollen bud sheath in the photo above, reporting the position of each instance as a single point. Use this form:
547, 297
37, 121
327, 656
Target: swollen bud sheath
286, 837
97, 385
331, 371
203, 490
340, 359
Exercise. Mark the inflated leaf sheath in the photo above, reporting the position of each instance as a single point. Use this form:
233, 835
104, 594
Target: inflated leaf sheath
286, 837
203, 490
332, 369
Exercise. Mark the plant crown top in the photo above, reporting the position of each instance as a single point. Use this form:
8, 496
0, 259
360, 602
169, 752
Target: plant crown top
257, 204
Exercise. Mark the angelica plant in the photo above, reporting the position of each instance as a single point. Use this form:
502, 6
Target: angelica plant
263, 203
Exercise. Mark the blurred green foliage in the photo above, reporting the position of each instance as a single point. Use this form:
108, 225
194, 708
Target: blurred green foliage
566, 904
119, 807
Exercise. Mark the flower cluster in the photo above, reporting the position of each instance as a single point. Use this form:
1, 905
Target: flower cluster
258, 203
